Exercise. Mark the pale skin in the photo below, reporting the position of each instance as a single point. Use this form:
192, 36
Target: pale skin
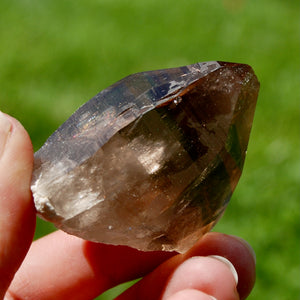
61, 266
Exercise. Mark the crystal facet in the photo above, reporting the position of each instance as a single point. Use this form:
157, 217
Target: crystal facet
150, 162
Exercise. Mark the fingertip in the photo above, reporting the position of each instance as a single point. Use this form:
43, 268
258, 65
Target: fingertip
211, 275
18, 150
245, 263
236, 250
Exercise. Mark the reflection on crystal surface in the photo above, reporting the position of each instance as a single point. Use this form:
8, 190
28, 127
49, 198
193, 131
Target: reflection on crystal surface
152, 161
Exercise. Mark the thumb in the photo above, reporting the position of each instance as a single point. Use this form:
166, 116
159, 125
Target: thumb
17, 213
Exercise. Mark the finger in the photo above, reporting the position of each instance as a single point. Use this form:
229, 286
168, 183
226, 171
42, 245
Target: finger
237, 251
206, 274
61, 266
234, 249
17, 214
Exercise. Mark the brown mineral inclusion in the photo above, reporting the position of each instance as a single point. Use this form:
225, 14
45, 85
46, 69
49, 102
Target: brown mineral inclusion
150, 162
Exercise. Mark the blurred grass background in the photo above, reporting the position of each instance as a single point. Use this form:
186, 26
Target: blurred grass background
57, 54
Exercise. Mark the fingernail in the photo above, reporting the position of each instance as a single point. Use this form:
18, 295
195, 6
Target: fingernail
5, 129
229, 264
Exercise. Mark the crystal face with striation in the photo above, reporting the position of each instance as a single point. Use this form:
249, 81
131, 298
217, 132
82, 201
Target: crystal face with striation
150, 162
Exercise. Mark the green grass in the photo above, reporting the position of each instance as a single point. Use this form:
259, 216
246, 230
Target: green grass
56, 54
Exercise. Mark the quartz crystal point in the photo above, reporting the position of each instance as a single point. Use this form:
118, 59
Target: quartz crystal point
150, 162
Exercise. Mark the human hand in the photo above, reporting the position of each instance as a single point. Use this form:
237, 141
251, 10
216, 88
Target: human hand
61, 266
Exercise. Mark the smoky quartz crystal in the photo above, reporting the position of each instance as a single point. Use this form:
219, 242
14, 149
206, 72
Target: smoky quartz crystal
152, 161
